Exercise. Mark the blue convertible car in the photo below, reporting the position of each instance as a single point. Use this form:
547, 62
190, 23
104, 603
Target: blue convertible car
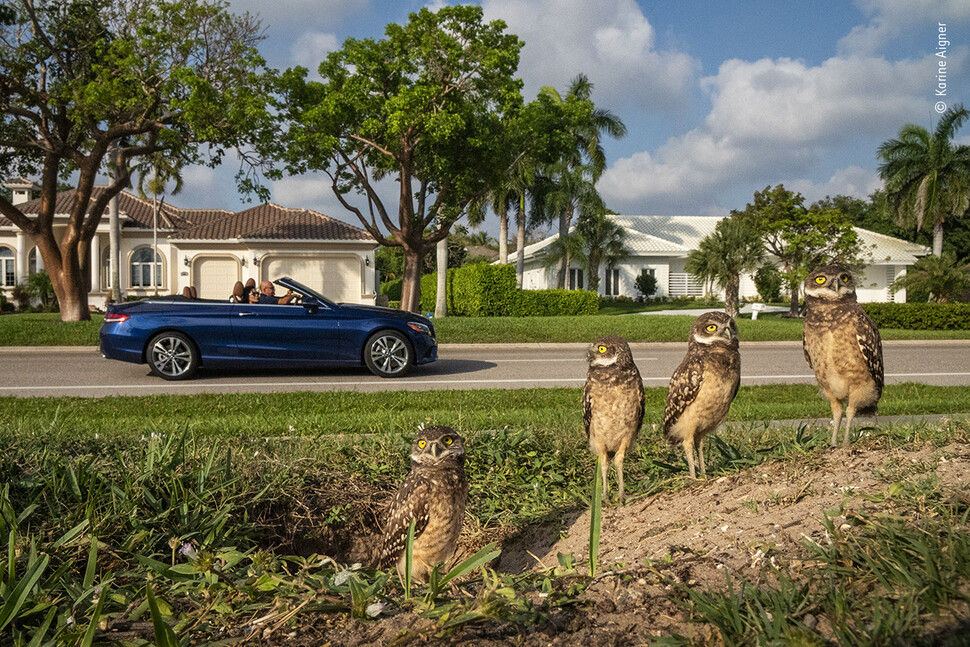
176, 336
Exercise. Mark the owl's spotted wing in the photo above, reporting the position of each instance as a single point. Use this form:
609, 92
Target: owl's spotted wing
684, 387
410, 502
871, 346
808, 358
587, 406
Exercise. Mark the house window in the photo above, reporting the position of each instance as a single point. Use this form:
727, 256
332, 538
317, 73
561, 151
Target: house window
32, 262
143, 269
612, 287
575, 279
8, 276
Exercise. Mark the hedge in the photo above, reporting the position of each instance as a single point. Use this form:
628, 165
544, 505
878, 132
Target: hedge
920, 316
484, 290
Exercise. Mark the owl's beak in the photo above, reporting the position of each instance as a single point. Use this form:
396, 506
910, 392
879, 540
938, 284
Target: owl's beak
434, 449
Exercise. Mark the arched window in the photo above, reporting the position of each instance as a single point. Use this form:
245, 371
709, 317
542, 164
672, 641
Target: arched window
141, 266
32, 261
8, 271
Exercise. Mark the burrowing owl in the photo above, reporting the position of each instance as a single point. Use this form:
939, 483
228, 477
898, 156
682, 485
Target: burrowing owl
434, 495
704, 385
842, 345
612, 404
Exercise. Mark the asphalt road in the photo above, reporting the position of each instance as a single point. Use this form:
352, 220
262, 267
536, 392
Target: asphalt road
28, 372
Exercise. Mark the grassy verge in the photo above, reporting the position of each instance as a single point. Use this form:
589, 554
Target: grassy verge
48, 330
316, 415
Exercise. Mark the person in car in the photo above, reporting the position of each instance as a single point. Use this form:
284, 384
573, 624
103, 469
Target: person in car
267, 294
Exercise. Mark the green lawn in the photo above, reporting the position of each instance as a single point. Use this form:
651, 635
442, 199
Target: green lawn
48, 330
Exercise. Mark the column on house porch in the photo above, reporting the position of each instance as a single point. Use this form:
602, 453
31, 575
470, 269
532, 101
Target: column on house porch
95, 261
23, 248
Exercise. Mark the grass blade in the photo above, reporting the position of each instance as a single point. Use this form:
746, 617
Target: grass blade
164, 636
93, 627
409, 560
19, 595
596, 517
92, 564
485, 555
42, 630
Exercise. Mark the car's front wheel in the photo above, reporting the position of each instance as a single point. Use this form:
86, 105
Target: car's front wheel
172, 356
388, 354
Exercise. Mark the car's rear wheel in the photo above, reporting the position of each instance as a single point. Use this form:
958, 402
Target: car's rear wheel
172, 356
388, 353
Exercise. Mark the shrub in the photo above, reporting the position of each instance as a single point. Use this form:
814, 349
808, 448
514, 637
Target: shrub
473, 290
392, 289
768, 281
551, 303
21, 296
920, 316
646, 284
5, 306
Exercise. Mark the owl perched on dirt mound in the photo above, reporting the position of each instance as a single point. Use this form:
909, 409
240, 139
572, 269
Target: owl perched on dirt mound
434, 495
842, 346
703, 387
612, 404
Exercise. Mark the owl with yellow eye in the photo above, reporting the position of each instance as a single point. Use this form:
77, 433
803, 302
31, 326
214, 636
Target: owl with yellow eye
703, 387
433, 494
842, 345
612, 404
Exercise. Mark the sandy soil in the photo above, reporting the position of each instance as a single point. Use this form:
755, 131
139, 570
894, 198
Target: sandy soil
695, 535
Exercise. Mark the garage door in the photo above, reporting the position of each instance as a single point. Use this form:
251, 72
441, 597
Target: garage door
335, 278
214, 277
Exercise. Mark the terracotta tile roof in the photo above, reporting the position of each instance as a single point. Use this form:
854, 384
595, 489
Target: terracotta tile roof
266, 221
273, 222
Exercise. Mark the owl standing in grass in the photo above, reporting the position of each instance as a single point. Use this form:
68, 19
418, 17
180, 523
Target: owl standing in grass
703, 387
433, 495
842, 346
612, 404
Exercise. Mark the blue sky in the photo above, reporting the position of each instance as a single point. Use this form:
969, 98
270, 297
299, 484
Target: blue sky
720, 98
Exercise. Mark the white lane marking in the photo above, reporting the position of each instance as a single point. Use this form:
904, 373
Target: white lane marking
444, 380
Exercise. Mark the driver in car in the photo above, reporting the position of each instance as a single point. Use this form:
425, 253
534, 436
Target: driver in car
267, 294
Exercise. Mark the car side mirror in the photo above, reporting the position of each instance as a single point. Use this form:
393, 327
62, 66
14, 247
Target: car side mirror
310, 304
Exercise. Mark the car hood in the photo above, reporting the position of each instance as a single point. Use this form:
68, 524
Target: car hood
387, 312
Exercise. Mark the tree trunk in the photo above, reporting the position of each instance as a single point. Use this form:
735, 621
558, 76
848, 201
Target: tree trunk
731, 291
793, 309
441, 297
562, 267
503, 238
938, 238
69, 285
519, 247
411, 284
593, 278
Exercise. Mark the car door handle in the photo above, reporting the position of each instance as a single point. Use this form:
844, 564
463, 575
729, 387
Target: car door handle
247, 314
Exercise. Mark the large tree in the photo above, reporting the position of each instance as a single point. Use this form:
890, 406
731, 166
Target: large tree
603, 243
800, 238
734, 248
424, 106
928, 177
85, 82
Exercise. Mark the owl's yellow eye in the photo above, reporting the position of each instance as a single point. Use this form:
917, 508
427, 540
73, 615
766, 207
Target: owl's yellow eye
712, 328
845, 278
601, 349
447, 440
422, 443
820, 280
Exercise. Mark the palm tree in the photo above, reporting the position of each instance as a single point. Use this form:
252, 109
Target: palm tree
565, 250
603, 239
586, 125
927, 177
943, 277
154, 172
731, 250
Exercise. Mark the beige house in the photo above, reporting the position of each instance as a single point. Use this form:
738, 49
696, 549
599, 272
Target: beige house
208, 248
659, 245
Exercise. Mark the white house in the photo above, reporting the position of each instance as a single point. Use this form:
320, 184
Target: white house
659, 245
208, 248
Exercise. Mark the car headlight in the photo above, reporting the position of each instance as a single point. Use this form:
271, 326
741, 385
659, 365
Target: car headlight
419, 327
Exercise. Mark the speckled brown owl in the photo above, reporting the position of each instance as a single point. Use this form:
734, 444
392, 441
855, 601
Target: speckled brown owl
703, 387
612, 404
434, 495
842, 346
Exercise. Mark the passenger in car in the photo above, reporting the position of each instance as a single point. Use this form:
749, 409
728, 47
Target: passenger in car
267, 294
244, 293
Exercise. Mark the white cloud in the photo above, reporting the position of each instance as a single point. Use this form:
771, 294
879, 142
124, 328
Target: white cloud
281, 14
852, 180
610, 41
311, 48
773, 120
889, 19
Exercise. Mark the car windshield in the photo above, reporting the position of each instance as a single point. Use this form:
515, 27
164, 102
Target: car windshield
299, 287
